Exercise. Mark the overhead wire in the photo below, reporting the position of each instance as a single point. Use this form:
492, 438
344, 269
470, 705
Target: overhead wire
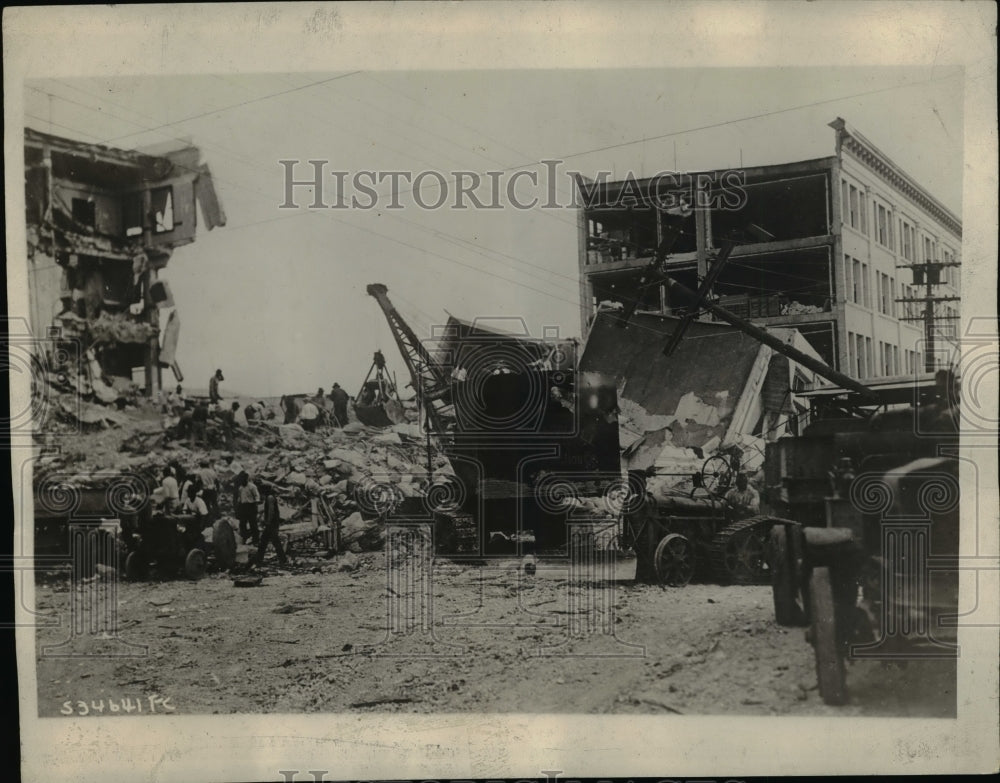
297, 88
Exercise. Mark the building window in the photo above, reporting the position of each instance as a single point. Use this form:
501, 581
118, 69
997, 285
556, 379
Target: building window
863, 212
881, 227
84, 212
855, 220
866, 297
845, 203
884, 294
162, 208
852, 362
892, 296
869, 358
132, 214
907, 232
860, 353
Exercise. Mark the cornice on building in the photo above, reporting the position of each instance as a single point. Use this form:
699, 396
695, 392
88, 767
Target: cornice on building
881, 164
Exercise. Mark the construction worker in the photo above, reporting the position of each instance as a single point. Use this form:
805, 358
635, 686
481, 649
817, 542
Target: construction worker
742, 501
309, 416
194, 505
228, 418
247, 499
272, 519
198, 423
213, 388
643, 524
340, 399
210, 486
171, 492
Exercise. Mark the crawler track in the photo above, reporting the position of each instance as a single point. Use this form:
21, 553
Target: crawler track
738, 552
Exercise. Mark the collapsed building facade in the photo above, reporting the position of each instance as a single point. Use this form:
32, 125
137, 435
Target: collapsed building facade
851, 250
719, 389
102, 224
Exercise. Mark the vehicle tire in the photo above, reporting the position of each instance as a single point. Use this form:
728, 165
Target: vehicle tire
788, 611
674, 560
135, 566
830, 671
194, 564
224, 544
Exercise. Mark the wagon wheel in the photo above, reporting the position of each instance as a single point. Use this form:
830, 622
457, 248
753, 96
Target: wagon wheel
826, 639
791, 602
224, 544
717, 475
739, 552
135, 566
194, 564
674, 560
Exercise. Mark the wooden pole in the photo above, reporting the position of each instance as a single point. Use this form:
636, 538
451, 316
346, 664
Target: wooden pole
819, 367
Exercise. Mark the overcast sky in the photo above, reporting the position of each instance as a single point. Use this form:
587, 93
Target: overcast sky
277, 297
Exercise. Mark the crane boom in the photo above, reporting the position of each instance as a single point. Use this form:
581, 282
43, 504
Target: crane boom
427, 376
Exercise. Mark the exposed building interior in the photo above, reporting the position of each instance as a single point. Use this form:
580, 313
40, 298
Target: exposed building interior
102, 224
782, 265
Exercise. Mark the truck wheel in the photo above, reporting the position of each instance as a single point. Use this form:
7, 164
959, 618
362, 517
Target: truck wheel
826, 639
135, 566
788, 610
674, 560
194, 564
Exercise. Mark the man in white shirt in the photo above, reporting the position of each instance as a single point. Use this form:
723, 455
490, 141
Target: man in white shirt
309, 416
247, 501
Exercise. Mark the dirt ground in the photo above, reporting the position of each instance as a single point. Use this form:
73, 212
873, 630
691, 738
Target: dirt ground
340, 635
319, 637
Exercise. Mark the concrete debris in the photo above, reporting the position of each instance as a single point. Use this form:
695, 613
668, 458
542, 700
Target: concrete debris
317, 476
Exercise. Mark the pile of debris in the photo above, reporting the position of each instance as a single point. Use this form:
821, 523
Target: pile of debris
335, 481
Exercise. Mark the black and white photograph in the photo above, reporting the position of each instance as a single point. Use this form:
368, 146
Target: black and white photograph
385, 403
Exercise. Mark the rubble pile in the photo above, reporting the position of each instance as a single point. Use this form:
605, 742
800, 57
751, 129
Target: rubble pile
329, 477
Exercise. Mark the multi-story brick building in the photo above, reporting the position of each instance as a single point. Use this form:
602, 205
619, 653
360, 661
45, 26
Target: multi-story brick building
828, 246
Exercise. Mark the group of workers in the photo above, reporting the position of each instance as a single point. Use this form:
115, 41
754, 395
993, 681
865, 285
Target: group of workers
315, 411
192, 415
194, 494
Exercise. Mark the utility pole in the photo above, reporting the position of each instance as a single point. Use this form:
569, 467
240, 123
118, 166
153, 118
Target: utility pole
928, 274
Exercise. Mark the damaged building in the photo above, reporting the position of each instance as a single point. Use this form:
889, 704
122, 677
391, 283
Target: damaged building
102, 224
720, 389
844, 244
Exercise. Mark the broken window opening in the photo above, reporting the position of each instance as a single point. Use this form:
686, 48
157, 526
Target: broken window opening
162, 208
624, 289
822, 337
116, 278
621, 234
84, 212
787, 209
132, 214
777, 284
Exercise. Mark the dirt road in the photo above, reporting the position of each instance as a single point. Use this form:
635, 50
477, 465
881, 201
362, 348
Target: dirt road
483, 639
